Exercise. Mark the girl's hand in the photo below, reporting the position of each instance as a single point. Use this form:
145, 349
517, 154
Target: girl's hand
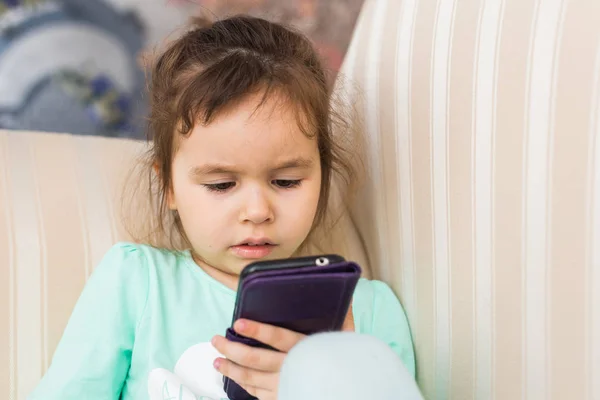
254, 369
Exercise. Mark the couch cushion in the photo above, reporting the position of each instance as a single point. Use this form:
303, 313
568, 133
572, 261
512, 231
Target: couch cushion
59, 207
482, 209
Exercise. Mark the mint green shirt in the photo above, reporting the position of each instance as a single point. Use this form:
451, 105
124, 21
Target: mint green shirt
143, 324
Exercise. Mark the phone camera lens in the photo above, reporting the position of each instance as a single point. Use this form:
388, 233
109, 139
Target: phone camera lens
322, 261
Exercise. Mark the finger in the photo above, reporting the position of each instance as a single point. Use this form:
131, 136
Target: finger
348, 325
279, 338
247, 356
247, 377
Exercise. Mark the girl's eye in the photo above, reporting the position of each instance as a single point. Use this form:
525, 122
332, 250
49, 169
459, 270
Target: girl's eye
286, 183
219, 187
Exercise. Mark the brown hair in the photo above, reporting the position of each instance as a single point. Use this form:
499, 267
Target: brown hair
214, 66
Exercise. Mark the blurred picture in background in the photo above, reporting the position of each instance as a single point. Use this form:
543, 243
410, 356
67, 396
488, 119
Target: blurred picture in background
77, 66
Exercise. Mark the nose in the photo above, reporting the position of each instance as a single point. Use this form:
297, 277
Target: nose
258, 208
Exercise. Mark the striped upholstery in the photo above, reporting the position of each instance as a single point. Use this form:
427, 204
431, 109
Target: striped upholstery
58, 203
483, 207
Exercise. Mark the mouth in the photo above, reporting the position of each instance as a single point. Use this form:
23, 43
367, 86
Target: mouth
253, 249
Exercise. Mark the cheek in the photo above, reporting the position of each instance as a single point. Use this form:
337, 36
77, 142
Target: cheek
199, 212
313, 201
301, 213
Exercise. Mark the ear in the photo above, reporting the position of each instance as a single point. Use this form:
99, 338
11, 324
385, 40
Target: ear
170, 196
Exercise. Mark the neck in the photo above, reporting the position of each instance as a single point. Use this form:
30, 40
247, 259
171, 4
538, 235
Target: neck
228, 279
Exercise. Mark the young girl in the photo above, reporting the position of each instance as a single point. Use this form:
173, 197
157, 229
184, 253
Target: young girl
242, 159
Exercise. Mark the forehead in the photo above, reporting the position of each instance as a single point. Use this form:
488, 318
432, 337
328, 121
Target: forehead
251, 135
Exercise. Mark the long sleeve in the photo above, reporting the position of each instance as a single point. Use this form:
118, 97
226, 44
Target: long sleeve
93, 357
378, 312
391, 325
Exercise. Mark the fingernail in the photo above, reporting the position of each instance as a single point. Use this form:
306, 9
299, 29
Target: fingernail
214, 341
217, 363
240, 325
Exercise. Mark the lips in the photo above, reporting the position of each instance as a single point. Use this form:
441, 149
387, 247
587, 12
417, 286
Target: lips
253, 248
256, 241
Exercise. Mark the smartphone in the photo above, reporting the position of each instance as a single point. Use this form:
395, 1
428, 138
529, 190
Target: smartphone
305, 294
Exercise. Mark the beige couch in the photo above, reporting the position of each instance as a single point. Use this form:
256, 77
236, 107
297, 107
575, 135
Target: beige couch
483, 208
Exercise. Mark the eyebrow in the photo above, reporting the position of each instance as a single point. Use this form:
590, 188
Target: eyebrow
208, 169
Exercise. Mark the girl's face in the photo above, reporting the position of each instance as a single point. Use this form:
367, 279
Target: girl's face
246, 186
